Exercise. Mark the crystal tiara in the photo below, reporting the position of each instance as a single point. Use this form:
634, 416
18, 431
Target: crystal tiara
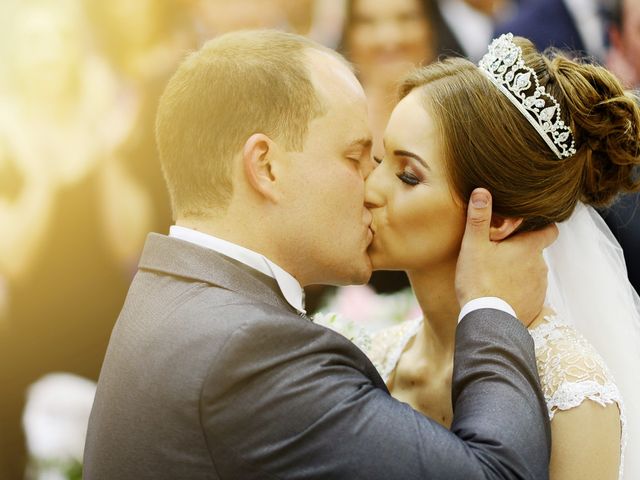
504, 66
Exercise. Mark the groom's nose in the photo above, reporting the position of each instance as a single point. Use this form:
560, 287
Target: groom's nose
367, 216
373, 196
367, 167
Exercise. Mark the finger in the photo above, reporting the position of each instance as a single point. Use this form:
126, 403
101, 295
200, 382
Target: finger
478, 216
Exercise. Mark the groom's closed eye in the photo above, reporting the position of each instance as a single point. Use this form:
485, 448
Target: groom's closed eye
359, 151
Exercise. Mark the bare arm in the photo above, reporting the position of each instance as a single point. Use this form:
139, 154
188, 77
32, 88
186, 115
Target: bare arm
586, 442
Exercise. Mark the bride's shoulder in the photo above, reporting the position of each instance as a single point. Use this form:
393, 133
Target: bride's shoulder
570, 369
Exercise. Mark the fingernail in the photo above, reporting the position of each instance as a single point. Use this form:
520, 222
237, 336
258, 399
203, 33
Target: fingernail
479, 199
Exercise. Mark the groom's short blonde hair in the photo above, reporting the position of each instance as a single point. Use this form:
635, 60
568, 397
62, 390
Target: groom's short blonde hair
236, 85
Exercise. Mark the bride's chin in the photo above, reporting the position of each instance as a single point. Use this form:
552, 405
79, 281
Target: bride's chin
379, 263
379, 260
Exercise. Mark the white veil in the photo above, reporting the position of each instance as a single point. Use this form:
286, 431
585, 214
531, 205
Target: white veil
589, 289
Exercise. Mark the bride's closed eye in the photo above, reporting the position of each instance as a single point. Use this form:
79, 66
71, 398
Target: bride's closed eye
405, 176
408, 178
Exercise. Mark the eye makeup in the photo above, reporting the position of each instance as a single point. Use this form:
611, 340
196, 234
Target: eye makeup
410, 173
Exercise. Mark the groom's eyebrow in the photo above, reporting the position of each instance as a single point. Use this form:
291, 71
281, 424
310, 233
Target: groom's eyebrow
404, 153
364, 142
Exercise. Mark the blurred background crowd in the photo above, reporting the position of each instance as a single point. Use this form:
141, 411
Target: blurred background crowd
81, 186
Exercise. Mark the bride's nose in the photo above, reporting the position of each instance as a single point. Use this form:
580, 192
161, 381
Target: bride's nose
373, 191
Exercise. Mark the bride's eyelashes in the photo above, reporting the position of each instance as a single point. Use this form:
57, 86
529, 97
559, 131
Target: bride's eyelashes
408, 178
404, 176
411, 174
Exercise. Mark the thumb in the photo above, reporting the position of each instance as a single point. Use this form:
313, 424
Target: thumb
478, 216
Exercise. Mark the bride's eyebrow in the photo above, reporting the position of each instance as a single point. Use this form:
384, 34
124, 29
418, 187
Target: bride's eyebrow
404, 153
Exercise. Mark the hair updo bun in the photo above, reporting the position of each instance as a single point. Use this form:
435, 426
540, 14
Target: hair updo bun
606, 123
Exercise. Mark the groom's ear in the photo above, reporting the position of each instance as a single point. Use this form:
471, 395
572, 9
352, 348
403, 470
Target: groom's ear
503, 227
257, 162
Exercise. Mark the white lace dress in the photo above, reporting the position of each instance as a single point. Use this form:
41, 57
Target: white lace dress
570, 369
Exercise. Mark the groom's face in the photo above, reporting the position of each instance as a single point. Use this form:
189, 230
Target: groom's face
327, 217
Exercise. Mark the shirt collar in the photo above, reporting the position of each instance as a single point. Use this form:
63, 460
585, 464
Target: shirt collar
289, 286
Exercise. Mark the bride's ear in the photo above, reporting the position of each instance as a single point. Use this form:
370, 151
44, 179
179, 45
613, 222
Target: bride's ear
503, 227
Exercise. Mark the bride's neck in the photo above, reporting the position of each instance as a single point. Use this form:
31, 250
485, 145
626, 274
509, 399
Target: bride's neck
436, 295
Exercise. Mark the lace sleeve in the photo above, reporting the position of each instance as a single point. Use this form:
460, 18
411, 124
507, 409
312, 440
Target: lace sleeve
570, 369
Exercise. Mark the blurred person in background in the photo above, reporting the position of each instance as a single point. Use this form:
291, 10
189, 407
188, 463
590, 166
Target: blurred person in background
623, 57
571, 25
624, 60
472, 22
385, 39
64, 256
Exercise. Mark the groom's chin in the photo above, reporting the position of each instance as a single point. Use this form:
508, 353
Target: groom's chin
359, 274
363, 275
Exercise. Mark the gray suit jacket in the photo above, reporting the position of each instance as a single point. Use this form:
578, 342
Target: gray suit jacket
210, 374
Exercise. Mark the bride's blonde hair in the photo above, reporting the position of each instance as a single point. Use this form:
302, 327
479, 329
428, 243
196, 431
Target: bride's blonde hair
488, 143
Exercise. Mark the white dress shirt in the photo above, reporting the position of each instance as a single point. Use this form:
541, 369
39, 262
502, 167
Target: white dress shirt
590, 25
486, 302
289, 286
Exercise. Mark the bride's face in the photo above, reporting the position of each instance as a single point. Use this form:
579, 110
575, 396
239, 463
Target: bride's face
417, 220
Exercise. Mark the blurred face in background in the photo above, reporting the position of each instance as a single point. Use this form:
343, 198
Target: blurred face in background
624, 33
630, 35
386, 38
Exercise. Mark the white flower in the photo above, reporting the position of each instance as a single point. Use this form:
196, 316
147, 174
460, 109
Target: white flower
56, 416
346, 327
